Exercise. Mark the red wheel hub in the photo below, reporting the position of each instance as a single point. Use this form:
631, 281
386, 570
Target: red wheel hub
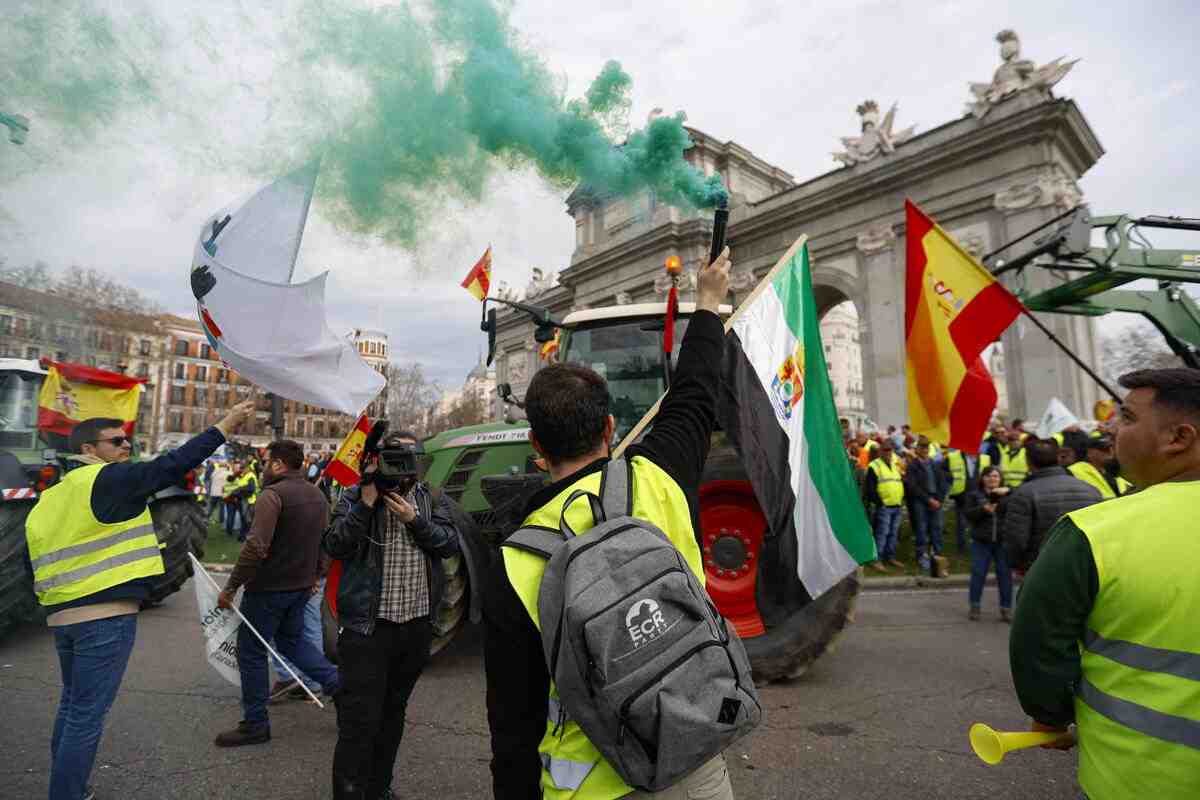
733, 529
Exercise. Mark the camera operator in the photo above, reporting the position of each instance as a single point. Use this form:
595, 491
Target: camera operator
390, 534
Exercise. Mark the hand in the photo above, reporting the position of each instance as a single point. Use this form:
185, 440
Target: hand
237, 415
316, 587
934, 504
989, 508
400, 507
1064, 744
1001, 490
225, 600
713, 283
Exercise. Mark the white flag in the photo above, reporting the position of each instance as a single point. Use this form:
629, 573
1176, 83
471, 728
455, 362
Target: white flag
219, 625
271, 331
1056, 419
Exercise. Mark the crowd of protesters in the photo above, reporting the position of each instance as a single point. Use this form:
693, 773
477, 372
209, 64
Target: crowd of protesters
1005, 497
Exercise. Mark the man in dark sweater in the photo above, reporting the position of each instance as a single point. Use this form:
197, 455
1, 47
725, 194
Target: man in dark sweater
1048, 492
518, 683
279, 566
92, 583
926, 484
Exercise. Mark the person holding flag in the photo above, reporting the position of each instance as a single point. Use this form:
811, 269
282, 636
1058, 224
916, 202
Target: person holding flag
93, 550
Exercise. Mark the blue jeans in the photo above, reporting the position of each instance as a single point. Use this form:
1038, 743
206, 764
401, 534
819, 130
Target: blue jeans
312, 634
278, 616
887, 531
982, 556
93, 656
231, 514
927, 528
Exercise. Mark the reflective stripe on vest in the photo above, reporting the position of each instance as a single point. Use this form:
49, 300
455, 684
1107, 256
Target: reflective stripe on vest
1138, 702
572, 767
890, 484
1013, 468
75, 555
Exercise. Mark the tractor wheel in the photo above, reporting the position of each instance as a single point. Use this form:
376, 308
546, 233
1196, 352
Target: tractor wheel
788, 649
18, 604
182, 526
449, 615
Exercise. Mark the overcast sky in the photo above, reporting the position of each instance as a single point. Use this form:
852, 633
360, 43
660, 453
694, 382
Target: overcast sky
781, 79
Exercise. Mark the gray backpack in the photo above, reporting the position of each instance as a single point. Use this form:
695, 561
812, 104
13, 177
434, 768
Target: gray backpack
642, 660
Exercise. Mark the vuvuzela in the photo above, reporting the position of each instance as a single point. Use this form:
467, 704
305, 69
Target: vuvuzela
991, 745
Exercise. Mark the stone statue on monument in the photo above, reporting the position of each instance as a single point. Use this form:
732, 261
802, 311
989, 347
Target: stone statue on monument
1015, 74
539, 283
876, 139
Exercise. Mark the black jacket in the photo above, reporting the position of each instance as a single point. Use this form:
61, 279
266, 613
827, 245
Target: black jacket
1034, 507
349, 537
986, 526
915, 488
517, 680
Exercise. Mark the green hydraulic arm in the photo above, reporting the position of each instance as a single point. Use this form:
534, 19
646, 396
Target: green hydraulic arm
1126, 256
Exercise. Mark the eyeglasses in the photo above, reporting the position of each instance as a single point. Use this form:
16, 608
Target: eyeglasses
115, 441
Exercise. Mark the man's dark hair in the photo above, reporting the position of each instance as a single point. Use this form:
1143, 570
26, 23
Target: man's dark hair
1041, 453
567, 407
291, 453
88, 431
1177, 389
1018, 423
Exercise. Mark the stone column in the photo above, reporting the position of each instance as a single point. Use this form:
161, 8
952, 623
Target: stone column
1037, 370
882, 320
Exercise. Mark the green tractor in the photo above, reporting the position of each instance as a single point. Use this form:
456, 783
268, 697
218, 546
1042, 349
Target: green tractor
751, 573
30, 463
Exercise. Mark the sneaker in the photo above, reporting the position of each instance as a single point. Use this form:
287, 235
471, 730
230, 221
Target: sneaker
1005, 615
974, 614
244, 733
897, 563
282, 688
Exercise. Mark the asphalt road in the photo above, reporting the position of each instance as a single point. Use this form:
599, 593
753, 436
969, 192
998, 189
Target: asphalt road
884, 716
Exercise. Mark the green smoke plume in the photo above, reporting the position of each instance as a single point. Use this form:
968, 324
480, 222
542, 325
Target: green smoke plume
407, 106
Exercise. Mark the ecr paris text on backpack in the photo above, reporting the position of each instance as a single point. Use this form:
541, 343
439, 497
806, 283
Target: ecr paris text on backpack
642, 660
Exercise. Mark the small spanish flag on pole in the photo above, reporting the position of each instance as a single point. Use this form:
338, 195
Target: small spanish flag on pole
345, 465
954, 309
479, 279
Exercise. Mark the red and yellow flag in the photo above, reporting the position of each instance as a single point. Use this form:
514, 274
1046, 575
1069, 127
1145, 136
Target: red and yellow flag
953, 309
551, 347
346, 464
72, 393
479, 279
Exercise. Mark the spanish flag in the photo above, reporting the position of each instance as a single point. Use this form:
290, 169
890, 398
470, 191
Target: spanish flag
551, 347
479, 279
72, 393
953, 309
346, 464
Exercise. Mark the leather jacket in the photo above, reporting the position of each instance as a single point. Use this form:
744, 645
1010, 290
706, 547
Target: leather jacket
349, 538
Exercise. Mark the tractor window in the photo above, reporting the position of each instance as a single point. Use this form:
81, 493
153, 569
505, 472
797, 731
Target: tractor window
18, 409
629, 356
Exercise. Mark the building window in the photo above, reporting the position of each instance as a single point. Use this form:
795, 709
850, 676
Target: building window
222, 376
181, 348
201, 396
60, 356
143, 370
32, 352
205, 351
198, 421
177, 395
6, 324
299, 427
180, 371
144, 347
35, 329
175, 421
318, 429
202, 373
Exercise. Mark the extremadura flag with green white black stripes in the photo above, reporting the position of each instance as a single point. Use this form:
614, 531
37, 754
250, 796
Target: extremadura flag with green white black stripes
777, 408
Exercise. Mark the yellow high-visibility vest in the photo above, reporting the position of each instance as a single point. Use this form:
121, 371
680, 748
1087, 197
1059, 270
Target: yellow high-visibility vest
572, 767
958, 469
1014, 468
1093, 477
889, 481
74, 554
1137, 705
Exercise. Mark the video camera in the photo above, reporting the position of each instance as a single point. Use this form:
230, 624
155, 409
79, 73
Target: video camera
397, 466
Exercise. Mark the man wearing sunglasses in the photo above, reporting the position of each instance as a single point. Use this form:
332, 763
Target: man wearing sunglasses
94, 553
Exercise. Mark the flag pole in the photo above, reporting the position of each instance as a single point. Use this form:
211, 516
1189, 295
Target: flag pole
196, 563
1078, 361
636, 431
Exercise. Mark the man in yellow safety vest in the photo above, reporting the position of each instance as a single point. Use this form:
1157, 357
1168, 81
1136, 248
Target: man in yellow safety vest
1094, 469
883, 491
1105, 633
536, 751
1013, 463
965, 469
93, 550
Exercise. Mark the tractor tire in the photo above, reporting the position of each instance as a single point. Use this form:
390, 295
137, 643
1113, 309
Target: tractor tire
788, 649
18, 604
181, 524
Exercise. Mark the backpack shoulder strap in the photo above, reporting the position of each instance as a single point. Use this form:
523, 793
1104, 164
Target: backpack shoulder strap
616, 488
542, 542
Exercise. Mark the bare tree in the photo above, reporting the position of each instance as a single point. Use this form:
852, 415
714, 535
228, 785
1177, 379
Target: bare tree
470, 409
92, 287
411, 397
1136, 347
35, 276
